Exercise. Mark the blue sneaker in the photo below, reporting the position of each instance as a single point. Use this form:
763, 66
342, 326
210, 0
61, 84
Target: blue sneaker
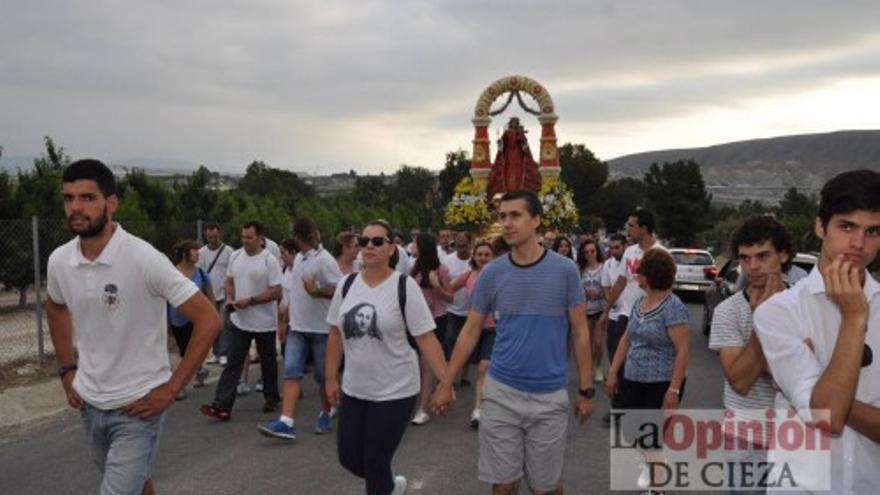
277, 429
323, 423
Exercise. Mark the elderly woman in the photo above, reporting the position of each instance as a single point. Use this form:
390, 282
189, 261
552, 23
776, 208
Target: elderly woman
654, 346
369, 321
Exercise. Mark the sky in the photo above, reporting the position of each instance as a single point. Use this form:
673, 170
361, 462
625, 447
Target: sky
328, 86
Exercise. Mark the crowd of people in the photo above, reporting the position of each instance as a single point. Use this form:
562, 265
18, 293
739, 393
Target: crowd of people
389, 328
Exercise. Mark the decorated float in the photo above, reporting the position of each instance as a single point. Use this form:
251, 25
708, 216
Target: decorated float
473, 204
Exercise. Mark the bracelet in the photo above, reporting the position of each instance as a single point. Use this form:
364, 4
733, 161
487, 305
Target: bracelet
65, 369
673, 390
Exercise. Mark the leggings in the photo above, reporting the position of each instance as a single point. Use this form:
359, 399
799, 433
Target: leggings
368, 434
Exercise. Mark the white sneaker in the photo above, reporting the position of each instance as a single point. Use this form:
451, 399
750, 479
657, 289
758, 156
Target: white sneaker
475, 419
599, 376
242, 389
212, 360
223, 361
332, 413
259, 386
644, 480
420, 418
399, 485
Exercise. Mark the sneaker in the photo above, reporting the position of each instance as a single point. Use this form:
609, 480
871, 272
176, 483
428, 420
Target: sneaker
420, 418
212, 359
598, 376
223, 361
323, 424
277, 429
271, 406
242, 389
332, 413
399, 485
201, 375
475, 419
644, 480
259, 386
216, 411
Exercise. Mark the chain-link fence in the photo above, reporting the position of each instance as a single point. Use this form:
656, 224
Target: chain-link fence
24, 332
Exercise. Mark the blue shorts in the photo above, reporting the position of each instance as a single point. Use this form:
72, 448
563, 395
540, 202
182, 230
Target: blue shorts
123, 447
296, 351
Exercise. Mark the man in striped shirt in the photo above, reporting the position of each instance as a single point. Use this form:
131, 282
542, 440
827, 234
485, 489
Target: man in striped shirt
764, 249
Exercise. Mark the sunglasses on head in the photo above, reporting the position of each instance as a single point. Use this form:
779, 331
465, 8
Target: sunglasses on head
376, 241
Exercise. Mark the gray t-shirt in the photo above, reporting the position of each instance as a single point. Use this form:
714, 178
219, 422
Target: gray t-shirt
380, 364
732, 326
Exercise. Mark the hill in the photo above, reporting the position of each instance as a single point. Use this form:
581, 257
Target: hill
764, 166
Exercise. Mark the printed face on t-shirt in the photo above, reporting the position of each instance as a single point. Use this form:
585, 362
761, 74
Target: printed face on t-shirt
361, 321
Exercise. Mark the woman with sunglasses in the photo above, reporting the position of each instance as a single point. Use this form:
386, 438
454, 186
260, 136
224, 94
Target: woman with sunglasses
381, 381
433, 278
589, 260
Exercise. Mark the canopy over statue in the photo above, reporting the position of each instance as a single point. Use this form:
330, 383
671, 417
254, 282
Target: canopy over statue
514, 167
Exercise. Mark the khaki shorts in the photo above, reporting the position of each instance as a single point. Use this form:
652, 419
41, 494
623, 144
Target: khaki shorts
522, 435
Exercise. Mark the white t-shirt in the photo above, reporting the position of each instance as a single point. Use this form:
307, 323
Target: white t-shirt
218, 272
273, 249
118, 306
609, 275
629, 263
307, 313
380, 364
252, 275
457, 266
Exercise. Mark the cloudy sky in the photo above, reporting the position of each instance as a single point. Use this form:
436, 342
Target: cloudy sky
332, 85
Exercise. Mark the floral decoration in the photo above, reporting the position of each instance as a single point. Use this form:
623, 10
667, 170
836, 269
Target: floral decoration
559, 208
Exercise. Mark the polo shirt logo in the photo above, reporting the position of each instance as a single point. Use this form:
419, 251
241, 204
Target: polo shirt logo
111, 297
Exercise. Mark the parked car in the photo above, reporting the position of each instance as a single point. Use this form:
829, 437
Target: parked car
727, 281
692, 265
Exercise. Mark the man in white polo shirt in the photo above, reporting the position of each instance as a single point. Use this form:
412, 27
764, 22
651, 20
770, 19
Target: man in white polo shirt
108, 291
253, 287
820, 336
214, 260
311, 287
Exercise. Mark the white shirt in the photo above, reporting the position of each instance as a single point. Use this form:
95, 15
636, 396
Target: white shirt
307, 313
783, 324
609, 275
273, 249
380, 364
457, 266
629, 263
118, 306
218, 272
252, 275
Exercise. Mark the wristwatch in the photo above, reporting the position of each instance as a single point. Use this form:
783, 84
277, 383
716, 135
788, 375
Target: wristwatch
66, 368
588, 392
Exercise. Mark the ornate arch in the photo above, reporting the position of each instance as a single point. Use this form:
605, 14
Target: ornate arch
549, 155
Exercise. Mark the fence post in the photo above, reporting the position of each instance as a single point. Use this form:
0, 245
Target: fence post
38, 287
199, 224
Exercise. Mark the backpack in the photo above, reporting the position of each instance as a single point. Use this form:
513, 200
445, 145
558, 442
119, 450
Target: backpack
401, 294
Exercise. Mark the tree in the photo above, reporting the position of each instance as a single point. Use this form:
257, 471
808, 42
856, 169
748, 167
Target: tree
416, 187
618, 199
262, 180
457, 167
370, 190
797, 212
678, 198
195, 197
585, 175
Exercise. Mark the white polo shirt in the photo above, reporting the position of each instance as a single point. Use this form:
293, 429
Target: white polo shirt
252, 275
457, 266
783, 324
609, 276
118, 307
218, 271
307, 313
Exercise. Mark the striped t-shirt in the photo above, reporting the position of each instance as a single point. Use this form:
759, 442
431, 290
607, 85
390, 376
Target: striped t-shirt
731, 327
531, 304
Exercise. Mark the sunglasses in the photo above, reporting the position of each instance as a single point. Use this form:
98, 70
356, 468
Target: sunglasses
867, 356
376, 241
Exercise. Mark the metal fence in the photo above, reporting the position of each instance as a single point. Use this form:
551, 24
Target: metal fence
25, 246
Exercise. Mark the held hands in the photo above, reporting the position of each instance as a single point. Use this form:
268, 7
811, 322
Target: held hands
443, 399
73, 398
152, 404
843, 286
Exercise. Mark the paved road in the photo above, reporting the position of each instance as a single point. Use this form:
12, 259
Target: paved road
199, 455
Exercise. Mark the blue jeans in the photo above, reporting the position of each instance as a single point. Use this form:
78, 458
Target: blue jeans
296, 351
123, 447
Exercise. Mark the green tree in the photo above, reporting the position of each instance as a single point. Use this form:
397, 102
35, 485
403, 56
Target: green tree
585, 175
457, 167
416, 187
618, 199
371, 190
678, 198
262, 180
797, 212
195, 197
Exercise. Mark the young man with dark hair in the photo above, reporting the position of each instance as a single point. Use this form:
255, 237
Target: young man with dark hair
307, 295
820, 336
764, 249
107, 290
253, 287
612, 314
525, 404
214, 260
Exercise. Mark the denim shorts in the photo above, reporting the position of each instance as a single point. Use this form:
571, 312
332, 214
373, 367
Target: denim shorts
296, 351
123, 447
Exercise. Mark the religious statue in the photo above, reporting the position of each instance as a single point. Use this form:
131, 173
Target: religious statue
514, 167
